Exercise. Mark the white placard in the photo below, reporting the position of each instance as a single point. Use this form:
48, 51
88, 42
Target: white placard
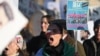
8, 32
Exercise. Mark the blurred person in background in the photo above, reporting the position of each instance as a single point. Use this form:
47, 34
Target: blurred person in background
92, 45
55, 45
26, 32
37, 42
80, 50
84, 34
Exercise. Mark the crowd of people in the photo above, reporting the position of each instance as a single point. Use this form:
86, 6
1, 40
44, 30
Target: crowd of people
54, 38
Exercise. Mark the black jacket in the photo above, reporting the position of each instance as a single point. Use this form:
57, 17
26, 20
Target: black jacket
92, 47
36, 43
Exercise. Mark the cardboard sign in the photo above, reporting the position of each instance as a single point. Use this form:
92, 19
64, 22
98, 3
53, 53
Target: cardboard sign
77, 14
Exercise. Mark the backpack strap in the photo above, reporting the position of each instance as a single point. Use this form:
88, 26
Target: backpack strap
94, 45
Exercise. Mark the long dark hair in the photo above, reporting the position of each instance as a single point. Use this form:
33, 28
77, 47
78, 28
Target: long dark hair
48, 17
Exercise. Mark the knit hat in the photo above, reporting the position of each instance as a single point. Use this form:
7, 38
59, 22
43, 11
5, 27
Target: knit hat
97, 23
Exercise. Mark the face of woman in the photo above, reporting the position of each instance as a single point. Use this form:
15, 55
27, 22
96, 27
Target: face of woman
12, 48
44, 24
54, 35
3, 17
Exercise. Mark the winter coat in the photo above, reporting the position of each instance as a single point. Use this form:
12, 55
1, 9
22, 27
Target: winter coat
63, 49
80, 48
92, 47
36, 43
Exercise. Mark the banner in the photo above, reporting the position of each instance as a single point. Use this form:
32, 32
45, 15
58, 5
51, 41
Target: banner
77, 14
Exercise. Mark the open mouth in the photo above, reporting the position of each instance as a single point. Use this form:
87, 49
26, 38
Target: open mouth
50, 39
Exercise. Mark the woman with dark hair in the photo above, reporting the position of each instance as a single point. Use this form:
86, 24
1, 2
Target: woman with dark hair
37, 42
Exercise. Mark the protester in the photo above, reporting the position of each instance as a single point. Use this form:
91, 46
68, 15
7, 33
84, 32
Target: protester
37, 42
16, 47
55, 45
92, 46
69, 38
